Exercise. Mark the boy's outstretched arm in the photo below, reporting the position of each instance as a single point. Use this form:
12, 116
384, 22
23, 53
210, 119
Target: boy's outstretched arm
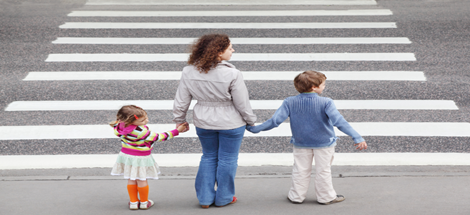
338, 121
280, 116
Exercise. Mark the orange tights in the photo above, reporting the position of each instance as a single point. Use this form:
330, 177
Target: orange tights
133, 190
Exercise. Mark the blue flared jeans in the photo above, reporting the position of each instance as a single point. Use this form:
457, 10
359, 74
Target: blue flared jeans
218, 165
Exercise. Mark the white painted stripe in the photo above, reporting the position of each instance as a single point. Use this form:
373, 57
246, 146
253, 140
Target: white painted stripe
288, 75
410, 129
372, 12
185, 41
208, 25
255, 104
245, 159
396, 104
235, 57
342, 76
227, 2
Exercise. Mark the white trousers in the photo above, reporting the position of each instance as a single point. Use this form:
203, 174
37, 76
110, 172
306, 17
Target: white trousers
302, 170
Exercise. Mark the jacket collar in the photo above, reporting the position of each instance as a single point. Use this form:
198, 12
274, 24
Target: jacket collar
225, 63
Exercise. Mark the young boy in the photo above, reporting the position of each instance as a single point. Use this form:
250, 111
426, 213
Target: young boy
312, 118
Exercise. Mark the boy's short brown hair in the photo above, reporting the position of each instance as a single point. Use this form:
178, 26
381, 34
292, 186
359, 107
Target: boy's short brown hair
304, 81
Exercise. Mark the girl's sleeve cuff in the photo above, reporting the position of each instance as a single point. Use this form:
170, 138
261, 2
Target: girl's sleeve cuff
175, 132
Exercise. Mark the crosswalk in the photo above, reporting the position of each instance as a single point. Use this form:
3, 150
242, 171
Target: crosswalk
229, 2
372, 12
245, 159
226, 25
236, 57
249, 75
235, 41
255, 104
377, 129
172, 74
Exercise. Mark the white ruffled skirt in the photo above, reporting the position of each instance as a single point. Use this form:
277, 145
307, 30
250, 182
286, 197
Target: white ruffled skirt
136, 167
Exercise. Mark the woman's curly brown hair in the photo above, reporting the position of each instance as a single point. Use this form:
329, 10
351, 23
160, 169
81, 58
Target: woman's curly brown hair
205, 51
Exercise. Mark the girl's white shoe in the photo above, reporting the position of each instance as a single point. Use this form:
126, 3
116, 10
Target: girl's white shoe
133, 205
146, 205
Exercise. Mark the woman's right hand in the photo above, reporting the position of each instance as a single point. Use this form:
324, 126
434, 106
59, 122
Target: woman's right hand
182, 127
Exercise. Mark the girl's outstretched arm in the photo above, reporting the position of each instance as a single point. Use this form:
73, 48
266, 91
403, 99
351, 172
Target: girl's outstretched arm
151, 136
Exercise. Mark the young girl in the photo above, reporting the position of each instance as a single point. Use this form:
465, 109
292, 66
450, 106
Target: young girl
135, 161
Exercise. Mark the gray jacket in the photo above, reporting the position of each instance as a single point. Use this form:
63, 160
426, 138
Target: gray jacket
221, 94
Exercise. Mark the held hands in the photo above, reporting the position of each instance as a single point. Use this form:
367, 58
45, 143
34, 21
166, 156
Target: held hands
250, 128
362, 145
182, 127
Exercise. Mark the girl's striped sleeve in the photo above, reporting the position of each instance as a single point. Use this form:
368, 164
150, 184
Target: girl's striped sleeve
158, 137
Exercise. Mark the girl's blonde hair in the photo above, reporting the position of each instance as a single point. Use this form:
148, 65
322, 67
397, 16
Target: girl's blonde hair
128, 114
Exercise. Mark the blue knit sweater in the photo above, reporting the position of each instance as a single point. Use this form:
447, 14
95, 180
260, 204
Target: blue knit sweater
312, 118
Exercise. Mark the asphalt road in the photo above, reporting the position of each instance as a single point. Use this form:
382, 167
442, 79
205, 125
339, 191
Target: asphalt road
265, 195
439, 31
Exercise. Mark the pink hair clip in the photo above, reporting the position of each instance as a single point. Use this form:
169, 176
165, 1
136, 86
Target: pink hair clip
136, 117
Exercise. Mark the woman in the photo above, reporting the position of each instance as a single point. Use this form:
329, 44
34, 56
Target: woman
222, 111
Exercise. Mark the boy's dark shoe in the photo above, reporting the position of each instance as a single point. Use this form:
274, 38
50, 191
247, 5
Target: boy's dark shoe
339, 198
293, 201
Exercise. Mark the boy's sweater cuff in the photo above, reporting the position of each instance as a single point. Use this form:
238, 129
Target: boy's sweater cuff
358, 140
